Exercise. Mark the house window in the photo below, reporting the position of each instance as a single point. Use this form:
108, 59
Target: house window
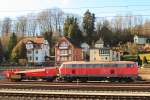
36, 58
136, 40
69, 58
102, 51
94, 52
148, 41
57, 52
113, 53
29, 52
65, 58
69, 51
36, 51
30, 58
63, 52
105, 58
107, 52
61, 58
58, 58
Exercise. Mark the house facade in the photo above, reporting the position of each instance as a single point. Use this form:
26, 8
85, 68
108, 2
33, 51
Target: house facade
66, 50
104, 54
101, 53
37, 50
141, 40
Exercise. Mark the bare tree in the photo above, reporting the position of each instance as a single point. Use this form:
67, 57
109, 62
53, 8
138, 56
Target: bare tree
51, 20
45, 21
21, 26
117, 23
57, 16
1, 27
31, 24
6, 26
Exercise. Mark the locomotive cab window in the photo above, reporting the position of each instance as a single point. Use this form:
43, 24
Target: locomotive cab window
67, 65
64, 65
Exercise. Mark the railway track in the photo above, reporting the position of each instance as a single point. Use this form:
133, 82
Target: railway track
74, 91
78, 86
75, 82
14, 94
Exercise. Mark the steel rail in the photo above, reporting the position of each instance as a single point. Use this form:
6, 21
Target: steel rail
76, 95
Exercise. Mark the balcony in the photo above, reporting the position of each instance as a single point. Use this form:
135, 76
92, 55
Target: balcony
105, 54
64, 54
63, 47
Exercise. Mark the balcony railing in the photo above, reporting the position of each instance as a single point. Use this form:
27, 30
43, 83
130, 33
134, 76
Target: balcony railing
63, 47
64, 54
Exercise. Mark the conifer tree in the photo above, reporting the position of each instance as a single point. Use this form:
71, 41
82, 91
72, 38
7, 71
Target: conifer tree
12, 43
89, 26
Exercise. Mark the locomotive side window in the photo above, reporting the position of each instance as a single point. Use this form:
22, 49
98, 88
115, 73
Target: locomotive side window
92, 65
122, 65
107, 65
84, 65
67, 65
80, 65
100, 65
114, 65
129, 65
88, 65
95, 65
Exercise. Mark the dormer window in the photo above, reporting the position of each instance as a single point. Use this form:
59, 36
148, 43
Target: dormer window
29, 46
63, 45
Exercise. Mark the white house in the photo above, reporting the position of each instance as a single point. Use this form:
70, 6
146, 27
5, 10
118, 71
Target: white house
138, 39
100, 53
37, 50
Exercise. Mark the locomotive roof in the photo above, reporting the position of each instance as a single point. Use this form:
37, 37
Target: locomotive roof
99, 62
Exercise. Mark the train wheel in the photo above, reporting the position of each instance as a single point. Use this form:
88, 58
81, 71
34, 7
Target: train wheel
129, 80
16, 80
113, 79
69, 80
83, 80
49, 80
125, 80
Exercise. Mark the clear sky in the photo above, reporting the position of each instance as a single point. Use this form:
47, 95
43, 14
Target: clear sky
101, 8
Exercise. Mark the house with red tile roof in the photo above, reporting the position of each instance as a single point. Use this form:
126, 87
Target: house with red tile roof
66, 50
37, 50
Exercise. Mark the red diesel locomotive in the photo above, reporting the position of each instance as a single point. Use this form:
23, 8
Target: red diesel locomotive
83, 71
113, 71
